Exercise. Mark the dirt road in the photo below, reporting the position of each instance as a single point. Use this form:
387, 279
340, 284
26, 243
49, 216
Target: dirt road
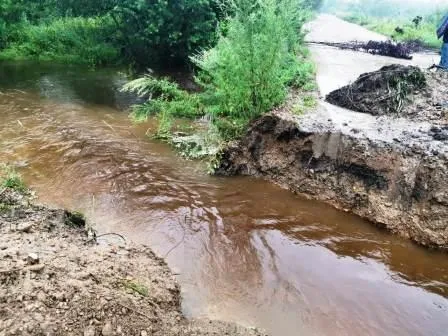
336, 67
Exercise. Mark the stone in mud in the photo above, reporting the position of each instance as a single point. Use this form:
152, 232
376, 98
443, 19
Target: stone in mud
89, 331
107, 330
382, 181
32, 259
25, 227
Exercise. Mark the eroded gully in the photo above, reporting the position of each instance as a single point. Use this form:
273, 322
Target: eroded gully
243, 250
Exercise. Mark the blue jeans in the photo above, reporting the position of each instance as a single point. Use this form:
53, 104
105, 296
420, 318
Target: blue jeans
444, 59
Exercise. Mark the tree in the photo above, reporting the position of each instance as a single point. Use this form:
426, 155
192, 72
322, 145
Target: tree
165, 31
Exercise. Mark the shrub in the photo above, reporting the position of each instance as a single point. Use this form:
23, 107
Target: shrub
162, 96
258, 56
250, 68
165, 33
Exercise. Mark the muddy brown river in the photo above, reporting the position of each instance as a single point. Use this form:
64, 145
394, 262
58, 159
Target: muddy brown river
242, 249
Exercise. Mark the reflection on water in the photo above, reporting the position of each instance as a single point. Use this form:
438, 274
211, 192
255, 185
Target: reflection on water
243, 250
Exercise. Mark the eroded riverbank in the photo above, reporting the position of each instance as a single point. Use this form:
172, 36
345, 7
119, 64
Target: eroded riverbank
244, 250
394, 184
55, 279
388, 169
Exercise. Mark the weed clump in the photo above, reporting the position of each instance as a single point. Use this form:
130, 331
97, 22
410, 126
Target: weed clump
75, 219
136, 287
10, 178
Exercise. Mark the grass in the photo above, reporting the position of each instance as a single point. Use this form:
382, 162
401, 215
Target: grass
64, 40
9, 178
401, 29
136, 287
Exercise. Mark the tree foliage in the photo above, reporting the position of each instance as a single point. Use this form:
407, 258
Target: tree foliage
146, 32
257, 58
165, 31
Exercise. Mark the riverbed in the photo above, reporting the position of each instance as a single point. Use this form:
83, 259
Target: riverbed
242, 249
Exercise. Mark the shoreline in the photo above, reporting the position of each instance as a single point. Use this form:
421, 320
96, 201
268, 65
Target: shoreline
56, 279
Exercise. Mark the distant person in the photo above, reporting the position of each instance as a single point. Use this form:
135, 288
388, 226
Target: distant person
442, 31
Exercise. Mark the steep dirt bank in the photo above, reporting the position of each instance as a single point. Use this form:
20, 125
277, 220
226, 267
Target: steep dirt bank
55, 280
388, 171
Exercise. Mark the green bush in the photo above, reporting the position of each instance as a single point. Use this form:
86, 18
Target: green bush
156, 33
249, 70
163, 96
258, 57
144, 33
70, 40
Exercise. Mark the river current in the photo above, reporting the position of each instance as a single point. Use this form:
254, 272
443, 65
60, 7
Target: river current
242, 249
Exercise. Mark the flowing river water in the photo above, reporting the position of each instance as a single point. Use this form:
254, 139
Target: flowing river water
242, 249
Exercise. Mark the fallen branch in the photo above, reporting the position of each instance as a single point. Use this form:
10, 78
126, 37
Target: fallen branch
180, 242
95, 238
384, 48
137, 312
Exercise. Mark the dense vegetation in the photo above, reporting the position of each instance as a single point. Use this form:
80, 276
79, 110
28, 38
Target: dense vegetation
247, 54
401, 20
155, 32
258, 57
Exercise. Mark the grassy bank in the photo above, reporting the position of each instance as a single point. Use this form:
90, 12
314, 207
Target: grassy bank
65, 40
421, 29
258, 59
141, 33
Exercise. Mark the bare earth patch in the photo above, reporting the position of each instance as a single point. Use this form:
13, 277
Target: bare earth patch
55, 280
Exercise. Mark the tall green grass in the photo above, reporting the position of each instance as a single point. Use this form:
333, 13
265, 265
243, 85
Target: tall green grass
68, 40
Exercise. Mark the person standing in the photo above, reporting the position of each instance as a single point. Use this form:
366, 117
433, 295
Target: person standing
442, 31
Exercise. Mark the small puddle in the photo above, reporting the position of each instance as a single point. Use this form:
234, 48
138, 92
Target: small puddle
243, 250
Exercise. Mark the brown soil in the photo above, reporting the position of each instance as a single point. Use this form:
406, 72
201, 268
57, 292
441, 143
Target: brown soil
397, 90
55, 280
399, 188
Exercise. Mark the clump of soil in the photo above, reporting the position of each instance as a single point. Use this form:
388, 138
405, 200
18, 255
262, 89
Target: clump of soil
55, 280
397, 90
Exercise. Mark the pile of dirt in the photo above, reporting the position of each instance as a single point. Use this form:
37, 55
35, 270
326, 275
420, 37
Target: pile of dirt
397, 90
55, 280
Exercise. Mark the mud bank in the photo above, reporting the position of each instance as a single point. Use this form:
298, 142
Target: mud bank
55, 280
389, 171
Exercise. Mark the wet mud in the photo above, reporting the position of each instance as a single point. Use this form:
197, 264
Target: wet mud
396, 187
55, 279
